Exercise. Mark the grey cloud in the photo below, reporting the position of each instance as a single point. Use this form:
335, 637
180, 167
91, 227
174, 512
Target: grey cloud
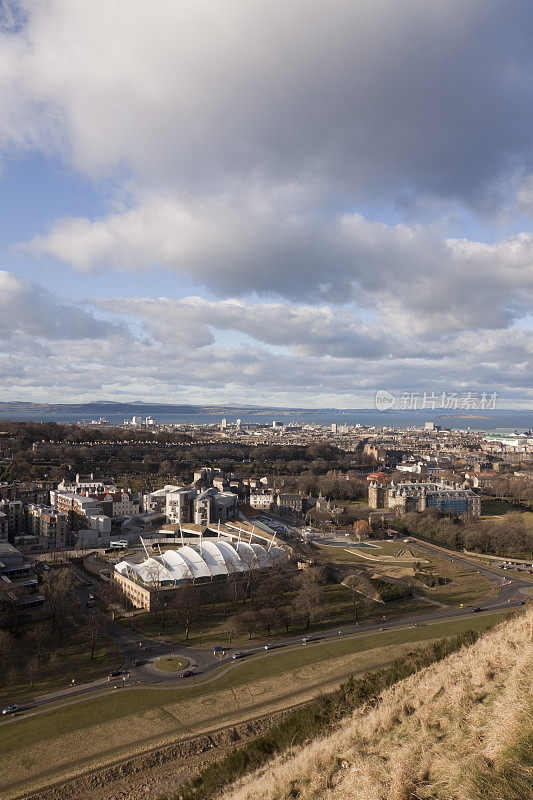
366, 99
27, 309
306, 330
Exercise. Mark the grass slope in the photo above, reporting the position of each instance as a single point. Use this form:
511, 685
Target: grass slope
460, 729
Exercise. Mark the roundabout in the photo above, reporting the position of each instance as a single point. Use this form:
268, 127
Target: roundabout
170, 664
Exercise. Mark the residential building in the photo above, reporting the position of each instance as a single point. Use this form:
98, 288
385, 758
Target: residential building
78, 508
16, 521
262, 499
48, 525
290, 503
17, 578
3, 527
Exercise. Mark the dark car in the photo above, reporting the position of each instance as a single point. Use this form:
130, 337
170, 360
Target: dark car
187, 674
137, 663
114, 673
477, 608
10, 709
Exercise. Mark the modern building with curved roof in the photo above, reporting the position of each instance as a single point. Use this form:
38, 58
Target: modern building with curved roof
199, 562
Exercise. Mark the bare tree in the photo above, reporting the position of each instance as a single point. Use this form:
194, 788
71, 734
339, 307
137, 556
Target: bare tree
309, 600
246, 621
250, 574
9, 607
188, 606
32, 669
351, 582
12, 676
58, 590
267, 617
286, 616
93, 632
7, 650
154, 571
231, 628
37, 640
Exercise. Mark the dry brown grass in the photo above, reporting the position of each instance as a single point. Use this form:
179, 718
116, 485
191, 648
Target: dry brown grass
429, 736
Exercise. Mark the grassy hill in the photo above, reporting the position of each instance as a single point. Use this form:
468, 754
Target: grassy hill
461, 729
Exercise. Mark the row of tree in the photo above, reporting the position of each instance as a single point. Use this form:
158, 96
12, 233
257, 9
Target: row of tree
507, 536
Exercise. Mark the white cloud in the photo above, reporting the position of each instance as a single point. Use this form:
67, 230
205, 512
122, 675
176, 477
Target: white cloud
251, 147
428, 281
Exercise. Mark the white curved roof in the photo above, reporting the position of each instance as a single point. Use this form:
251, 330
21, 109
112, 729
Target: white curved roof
196, 564
248, 554
214, 558
261, 554
150, 571
230, 556
191, 562
178, 567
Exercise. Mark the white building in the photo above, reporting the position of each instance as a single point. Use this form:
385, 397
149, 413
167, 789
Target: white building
262, 499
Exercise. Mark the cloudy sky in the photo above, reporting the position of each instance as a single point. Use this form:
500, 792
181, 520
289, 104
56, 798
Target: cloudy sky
266, 201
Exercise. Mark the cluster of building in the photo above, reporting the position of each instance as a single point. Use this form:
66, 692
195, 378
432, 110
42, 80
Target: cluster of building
212, 497
28, 521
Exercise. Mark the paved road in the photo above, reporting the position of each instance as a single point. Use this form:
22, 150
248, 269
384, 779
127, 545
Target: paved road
204, 663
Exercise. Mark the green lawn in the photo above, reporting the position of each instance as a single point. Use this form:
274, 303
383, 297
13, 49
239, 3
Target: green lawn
170, 664
339, 555
493, 507
117, 705
465, 585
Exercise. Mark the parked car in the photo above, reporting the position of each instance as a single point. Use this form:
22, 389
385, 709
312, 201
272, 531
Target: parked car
10, 709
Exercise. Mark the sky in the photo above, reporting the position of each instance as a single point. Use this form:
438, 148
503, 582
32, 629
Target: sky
270, 202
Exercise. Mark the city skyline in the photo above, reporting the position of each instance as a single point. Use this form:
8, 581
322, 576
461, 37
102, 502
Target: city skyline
272, 204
